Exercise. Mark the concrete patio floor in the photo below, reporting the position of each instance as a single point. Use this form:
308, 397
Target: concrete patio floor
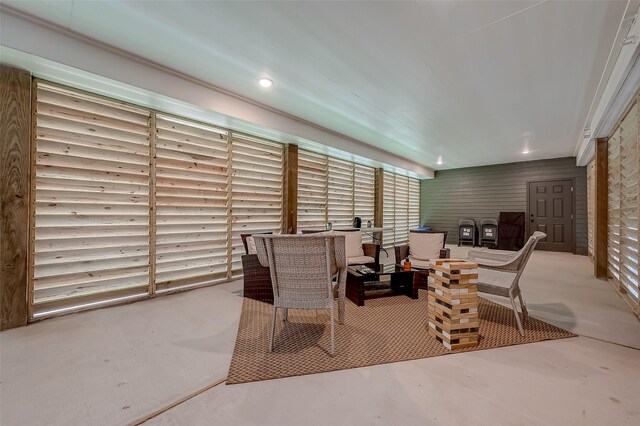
116, 365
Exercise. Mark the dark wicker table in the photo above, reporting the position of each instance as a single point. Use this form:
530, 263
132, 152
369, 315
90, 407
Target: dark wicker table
399, 281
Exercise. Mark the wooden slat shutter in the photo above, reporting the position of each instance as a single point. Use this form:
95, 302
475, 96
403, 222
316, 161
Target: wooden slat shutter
91, 199
257, 191
312, 190
191, 203
414, 203
401, 208
340, 189
389, 209
613, 211
628, 183
364, 192
364, 181
401, 231
333, 190
591, 205
130, 202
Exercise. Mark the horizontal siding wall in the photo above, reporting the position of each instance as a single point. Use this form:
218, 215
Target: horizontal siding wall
483, 192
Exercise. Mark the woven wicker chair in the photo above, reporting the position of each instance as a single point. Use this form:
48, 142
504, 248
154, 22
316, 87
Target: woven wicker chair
256, 278
303, 268
421, 275
507, 262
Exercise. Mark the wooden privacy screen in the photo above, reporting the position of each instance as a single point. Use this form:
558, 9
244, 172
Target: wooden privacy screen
613, 206
312, 189
401, 207
623, 206
128, 202
364, 182
340, 203
332, 190
191, 180
591, 206
91, 239
257, 190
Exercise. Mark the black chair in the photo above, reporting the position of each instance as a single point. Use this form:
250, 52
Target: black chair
489, 232
467, 232
511, 228
257, 278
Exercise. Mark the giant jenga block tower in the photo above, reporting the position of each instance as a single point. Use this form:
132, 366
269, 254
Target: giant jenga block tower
453, 302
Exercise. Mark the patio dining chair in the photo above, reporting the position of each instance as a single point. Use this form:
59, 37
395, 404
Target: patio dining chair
303, 269
256, 278
505, 281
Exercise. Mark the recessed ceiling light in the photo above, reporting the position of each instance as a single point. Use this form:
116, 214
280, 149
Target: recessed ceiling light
525, 151
265, 82
439, 162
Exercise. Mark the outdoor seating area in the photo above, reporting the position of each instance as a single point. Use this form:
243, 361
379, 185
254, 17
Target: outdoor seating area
310, 270
331, 213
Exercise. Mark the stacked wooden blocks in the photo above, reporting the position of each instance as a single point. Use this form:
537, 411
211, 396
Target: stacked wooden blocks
453, 303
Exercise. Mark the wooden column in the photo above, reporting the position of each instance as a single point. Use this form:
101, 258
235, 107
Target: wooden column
601, 202
378, 217
378, 205
15, 137
291, 195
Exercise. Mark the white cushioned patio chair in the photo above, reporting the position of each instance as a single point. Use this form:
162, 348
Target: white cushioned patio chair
358, 253
502, 271
303, 271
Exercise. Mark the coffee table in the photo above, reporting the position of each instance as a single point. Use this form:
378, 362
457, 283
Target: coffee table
383, 277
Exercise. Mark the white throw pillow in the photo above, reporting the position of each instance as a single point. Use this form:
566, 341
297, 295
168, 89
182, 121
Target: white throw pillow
251, 245
352, 243
425, 246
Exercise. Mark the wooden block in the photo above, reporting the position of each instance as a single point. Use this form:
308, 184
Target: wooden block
453, 300
452, 328
459, 266
459, 319
441, 261
449, 281
463, 345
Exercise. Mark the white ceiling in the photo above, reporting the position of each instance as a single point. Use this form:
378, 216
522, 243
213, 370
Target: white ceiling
473, 82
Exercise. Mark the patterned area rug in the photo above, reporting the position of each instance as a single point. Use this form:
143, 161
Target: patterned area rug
389, 329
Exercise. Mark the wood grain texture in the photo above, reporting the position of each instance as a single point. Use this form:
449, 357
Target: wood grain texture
15, 128
601, 213
483, 192
153, 138
291, 197
229, 205
379, 198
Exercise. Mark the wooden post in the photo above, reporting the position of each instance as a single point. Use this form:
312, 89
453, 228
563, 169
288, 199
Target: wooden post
378, 202
601, 222
291, 194
15, 148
